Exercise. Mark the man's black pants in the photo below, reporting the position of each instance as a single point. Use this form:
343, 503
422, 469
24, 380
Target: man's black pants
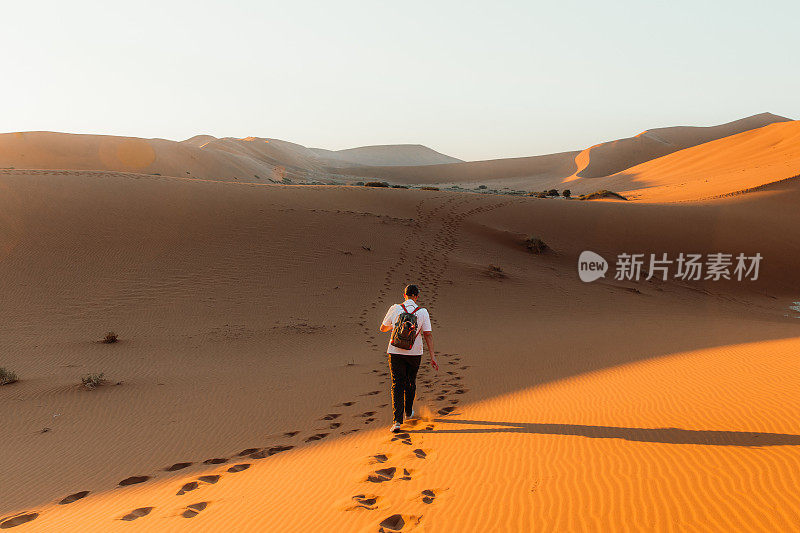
404, 383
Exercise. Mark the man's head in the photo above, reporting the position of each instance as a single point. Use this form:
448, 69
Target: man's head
411, 292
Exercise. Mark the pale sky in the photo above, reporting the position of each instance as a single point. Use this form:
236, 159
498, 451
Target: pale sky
475, 80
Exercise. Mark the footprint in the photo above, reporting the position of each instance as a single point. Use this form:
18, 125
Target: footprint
393, 523
278, 449
318, 436
216, 461
209, 479
290, 433
420, 453
248, 451
401, 436
194, 509
406, 475
428, 496
380, 458
18, 520
74, 497
187, 488
384, 474
177, 466
373, 393
366, 502
429, 427
238, 468
334, 425
348, 404
331, 416
137, 513
366, 414
133, 480
445, 410
461, 391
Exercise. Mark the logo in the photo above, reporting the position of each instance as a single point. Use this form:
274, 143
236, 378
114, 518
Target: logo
591, 266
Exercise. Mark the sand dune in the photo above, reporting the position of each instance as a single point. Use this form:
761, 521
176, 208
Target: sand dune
560, 170
236, 402
251, 159
520, 171
726, 166
385, 155
609, 158
265, 160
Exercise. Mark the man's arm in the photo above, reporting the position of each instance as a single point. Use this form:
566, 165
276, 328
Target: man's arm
387, 325
428, 336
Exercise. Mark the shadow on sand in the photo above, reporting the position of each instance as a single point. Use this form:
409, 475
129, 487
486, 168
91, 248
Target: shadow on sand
662, 435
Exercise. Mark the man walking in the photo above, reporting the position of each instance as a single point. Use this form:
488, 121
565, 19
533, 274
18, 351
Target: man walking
407, 322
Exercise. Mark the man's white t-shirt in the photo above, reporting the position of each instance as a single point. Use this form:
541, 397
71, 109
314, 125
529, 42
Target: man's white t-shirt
423, 323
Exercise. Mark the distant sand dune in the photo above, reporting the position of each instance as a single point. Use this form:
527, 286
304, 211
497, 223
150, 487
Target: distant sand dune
265, 160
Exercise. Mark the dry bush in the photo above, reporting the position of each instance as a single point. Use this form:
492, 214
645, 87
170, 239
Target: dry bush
376, 184
110, 338
429, 188
597, 195
495, 271
92, 381
536, 245
7, 376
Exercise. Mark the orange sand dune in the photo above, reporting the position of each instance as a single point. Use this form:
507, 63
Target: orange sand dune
725, 166
612, 157
247, 316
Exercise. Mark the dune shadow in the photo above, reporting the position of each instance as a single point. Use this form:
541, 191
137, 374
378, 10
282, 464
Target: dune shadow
660, 435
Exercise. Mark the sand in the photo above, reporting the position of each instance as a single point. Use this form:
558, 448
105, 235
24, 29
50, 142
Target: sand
248, 390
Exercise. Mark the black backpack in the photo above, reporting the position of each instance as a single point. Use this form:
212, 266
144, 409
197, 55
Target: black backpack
405, 329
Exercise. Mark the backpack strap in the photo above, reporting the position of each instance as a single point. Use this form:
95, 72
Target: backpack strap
415, 310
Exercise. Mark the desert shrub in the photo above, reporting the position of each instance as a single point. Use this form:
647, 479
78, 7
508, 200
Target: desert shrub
376, 184
567, 193
399, 186
536, 245
495, 271
482, 186
553, 192
286, 181
92, 381
429, 188
359, 183
7, 376
110, 338
541, 195
602, 194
